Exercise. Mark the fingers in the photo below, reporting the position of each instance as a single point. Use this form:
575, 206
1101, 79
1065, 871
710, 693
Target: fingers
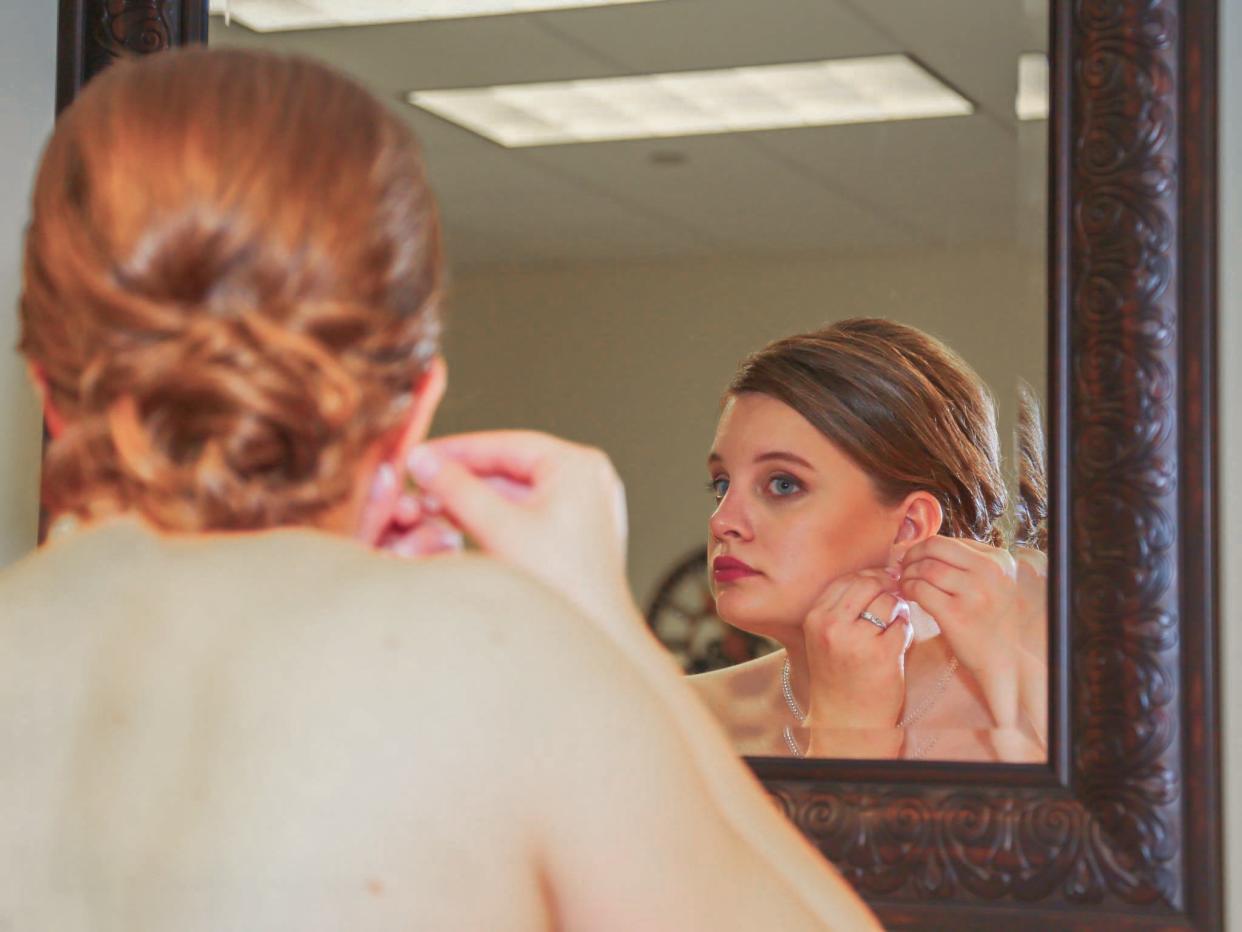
381, 501
943, 576
936, 602
431, 537
517, 454
891, 607
511, 489
899, 633
833, 592
862, 593
499, 485
852, 595
474, 504
524, 465
971, 556
407, 511
954, 551
883, 610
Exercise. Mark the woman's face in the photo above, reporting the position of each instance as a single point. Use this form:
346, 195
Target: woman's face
793, 509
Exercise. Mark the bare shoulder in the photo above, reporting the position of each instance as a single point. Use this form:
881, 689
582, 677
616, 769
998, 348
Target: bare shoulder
435, 623
741, 681
746, 700
265, 695
291, 620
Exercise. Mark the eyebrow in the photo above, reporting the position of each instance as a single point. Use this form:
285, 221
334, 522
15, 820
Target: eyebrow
783, 455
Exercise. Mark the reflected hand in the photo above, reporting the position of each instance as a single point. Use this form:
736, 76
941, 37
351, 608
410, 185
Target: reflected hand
857, 672
971, 589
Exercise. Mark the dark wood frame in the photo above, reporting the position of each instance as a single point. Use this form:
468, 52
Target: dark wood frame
93, 33
1121, 829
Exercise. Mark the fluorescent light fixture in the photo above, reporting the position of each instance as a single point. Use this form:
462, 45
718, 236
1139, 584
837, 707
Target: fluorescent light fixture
283, 15
689, 103
1032, 100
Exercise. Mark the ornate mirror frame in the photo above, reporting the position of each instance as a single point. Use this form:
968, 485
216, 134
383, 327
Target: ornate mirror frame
1121, 829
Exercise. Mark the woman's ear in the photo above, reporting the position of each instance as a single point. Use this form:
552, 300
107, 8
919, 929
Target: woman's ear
386, 484
921, 517
51, 415
425, 398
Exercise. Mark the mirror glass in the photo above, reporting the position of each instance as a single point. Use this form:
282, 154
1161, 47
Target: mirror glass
636, 195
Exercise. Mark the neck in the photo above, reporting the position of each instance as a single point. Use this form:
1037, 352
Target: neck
345, 519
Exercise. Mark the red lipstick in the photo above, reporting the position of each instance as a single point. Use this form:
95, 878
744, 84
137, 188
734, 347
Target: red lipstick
727, 569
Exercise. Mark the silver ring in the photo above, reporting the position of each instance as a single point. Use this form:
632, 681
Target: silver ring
874, 619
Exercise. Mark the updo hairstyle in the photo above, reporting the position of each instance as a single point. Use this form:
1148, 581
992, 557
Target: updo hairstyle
903, 406
231, 285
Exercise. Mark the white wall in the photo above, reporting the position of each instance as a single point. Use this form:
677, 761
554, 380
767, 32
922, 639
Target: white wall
1231, 452
27, 84
633, 357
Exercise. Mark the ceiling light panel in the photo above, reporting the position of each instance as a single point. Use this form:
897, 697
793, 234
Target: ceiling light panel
688, 103
1032, 99
284, 15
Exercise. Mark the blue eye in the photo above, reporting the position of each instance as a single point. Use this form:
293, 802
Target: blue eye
783, 486
718, 487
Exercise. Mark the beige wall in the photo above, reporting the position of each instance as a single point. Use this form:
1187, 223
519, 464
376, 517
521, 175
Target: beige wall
27, 79
1231, 453
633, 357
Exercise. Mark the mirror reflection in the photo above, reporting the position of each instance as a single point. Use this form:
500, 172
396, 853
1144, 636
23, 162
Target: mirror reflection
859, 524
641, 201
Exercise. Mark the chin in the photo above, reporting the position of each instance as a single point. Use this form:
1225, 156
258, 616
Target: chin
749, 611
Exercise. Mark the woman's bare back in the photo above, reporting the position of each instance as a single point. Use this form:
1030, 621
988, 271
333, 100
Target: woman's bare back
285, 731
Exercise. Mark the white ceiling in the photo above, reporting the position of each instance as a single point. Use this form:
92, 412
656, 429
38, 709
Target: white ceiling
830, 189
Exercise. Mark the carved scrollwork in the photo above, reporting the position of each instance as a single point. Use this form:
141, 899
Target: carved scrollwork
1110, 838
915, 844
1125, 695
135, 27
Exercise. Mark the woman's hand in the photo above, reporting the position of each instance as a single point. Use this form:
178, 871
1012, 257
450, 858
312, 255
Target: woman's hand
553, 508
971, 589
398, 521
857, 671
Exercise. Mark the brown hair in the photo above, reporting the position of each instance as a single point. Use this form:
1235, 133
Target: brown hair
1031, 508
902, 405
231, 282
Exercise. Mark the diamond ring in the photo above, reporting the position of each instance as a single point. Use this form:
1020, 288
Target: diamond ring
874, 619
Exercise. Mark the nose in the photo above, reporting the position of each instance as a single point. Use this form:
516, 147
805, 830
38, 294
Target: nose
730, 520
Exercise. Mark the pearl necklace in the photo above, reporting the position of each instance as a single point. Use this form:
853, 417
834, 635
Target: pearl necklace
942, 683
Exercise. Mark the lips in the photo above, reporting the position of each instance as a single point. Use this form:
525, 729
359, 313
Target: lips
728, 569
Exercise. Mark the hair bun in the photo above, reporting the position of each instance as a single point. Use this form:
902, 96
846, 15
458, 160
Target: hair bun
236, 420
226, 339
